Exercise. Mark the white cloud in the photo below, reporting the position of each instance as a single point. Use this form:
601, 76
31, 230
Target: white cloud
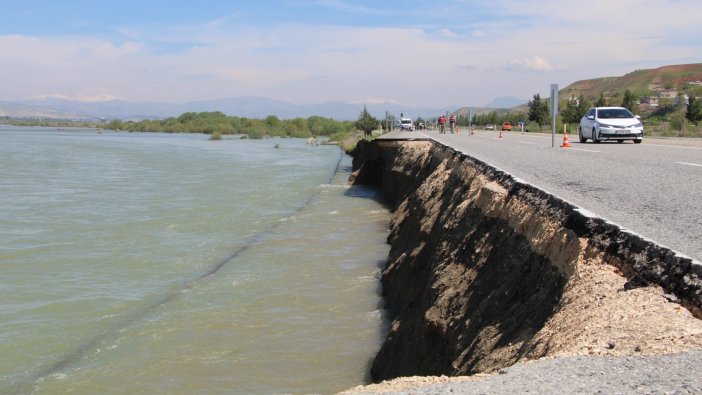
468, 67
535, 63
310, 64
478, 33
102, 97
349, 7
376, 100
448, 33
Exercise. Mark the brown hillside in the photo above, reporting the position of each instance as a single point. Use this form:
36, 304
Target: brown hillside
640, 82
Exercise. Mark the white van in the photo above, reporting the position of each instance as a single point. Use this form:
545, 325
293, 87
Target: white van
406, 124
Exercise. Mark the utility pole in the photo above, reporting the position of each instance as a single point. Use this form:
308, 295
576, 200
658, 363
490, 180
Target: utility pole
387, 125
470, 119
554, 112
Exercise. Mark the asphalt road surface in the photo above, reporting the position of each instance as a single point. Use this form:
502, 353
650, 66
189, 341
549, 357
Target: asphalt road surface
653, 189
658, 374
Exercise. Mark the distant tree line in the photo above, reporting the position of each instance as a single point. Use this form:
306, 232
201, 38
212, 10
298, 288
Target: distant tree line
493, 118
47, 122
217, 123
670, 114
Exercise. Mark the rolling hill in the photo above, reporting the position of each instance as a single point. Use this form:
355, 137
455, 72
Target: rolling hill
686, 78
640, 82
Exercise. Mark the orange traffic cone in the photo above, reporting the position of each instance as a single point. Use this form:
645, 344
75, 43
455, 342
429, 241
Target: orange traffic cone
472, 131
566, 144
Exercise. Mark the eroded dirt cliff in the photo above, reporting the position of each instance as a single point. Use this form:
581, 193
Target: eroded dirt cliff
485, 271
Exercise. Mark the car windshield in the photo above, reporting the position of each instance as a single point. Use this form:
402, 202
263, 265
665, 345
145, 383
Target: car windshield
406, 121
610, 113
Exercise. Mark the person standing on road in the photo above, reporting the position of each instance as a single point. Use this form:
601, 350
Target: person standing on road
442, 124
452, 122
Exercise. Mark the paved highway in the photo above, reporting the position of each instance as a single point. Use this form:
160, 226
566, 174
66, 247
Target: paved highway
653, 189
655, 374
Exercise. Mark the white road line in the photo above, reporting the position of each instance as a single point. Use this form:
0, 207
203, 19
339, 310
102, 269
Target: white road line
583, 149
673, 146
689, 164
527, 142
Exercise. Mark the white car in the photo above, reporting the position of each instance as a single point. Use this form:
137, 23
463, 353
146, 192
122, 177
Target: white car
610, 124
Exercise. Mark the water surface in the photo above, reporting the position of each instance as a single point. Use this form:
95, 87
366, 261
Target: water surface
161, 263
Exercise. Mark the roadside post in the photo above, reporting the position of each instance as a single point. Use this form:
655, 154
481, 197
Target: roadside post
470, 120
387, 124
554, 113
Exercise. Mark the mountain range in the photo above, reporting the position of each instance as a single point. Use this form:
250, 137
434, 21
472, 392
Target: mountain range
249, 106
641, 82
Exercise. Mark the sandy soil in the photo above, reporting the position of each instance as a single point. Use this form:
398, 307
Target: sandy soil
596, 317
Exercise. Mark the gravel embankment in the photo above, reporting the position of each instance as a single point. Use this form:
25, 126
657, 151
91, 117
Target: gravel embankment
659, 374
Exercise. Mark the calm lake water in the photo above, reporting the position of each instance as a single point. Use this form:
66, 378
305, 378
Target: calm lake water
160, 263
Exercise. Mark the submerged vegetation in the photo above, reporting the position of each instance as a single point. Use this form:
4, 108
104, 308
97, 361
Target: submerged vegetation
218, 124
54, 123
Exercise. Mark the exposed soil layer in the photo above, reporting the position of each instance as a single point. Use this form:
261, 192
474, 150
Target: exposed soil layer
485, 271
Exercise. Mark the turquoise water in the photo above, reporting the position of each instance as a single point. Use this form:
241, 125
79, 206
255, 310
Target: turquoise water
160, 263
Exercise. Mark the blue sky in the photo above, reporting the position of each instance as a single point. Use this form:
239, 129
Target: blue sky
417, 52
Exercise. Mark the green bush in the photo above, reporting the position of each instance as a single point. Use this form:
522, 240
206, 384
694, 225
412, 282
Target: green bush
216, 136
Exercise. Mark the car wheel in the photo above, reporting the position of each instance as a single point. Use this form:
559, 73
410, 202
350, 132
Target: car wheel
620, 141
594, 136
580, 134
638, 141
